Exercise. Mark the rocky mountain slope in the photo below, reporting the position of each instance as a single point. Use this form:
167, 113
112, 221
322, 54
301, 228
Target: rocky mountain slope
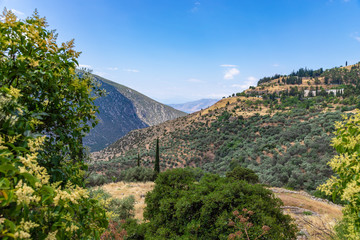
122, 110
194, 106
272, 128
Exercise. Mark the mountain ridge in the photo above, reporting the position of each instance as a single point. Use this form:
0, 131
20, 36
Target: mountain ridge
194, 106
124, 109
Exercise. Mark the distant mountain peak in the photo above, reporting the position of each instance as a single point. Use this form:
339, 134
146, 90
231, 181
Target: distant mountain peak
194, 106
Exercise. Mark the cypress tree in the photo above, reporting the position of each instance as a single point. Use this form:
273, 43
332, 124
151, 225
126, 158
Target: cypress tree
157, 158
138, 159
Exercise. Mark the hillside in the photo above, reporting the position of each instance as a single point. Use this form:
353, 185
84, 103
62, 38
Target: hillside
194, 106
122, 110
279, 133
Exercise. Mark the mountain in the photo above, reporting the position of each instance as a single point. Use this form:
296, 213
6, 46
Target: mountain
273, 128
190, 107
122, 110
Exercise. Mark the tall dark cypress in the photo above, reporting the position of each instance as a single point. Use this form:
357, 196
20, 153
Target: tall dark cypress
138, 160
157, 158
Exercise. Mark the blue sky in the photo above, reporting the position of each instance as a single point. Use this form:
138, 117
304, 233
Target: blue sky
181, 50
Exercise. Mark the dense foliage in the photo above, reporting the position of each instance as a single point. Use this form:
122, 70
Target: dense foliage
244, 174
346, 165
181, 208
44, 108
33, 62
135, 174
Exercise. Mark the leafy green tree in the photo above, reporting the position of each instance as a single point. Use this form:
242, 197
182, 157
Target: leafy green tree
346, 165
181, 208
44, 110
32, 61
245, 174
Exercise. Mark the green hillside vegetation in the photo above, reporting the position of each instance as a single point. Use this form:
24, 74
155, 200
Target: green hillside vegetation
285, 138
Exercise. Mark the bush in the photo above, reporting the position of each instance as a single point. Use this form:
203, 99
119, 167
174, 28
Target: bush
117, 209
136, 174
96, 180
345, 184
245, 174
180, 207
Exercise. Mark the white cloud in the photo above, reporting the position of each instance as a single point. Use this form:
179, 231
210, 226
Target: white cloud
131, 70
18, 13
276, 65
227, 65
195, 7
230, 73
84, 66
355, 36
112, 68
251, 81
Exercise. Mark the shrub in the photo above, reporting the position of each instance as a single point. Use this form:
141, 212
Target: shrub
347, 168
180, 207
117, 209
245, 174
136, 174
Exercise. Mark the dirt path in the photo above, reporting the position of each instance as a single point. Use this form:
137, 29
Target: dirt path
315, 217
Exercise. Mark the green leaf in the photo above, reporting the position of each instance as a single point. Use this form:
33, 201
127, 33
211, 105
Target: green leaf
32, 180
5, 168
4, 183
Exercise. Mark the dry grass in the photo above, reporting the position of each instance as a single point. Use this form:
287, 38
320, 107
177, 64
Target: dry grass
318, 225
137, 189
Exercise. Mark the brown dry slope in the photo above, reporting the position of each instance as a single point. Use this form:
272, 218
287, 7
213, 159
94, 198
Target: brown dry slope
314, 217
137, 189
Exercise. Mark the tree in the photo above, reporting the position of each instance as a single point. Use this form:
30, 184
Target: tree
138, 159
346, 165
157, 158
44, 72
245, 174
179, 207
44, 110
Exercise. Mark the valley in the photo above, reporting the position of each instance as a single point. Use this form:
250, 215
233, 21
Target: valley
282, 135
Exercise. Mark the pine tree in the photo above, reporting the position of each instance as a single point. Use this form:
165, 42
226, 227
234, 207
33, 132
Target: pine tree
157, 158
